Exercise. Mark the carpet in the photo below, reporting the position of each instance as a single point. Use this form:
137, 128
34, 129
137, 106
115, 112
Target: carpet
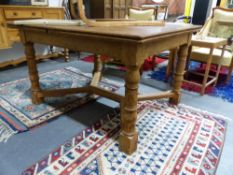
172, 140
224, 91
18, 114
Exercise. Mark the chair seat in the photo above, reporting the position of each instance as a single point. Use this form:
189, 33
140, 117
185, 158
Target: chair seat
202, 54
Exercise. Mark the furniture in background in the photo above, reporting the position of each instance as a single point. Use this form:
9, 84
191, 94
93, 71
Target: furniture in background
145, 14
131, 45
209, 44
9, 36
161, 10
220, 24
109, 8
72, 7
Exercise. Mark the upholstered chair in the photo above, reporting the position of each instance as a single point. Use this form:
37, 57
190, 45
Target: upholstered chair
220, 24
145, 14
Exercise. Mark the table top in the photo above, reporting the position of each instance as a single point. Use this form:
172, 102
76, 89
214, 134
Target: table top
126, 32
206, 41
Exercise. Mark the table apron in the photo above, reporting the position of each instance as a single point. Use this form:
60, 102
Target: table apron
130, 52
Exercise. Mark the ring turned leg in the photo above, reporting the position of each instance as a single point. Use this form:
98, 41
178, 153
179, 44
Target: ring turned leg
179, 74
171, 61
97, 72
66, 54
33, 73
129, 136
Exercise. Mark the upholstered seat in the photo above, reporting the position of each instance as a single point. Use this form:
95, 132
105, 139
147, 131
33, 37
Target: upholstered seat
220, 24
201, 54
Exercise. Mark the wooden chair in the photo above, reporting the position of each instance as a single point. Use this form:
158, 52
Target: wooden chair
142, 13
220, 24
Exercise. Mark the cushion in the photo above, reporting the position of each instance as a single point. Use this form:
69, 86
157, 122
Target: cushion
202, 54
146, 15
222, 25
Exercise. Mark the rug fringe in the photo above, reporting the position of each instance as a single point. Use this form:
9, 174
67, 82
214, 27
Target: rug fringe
5, 132
207, 112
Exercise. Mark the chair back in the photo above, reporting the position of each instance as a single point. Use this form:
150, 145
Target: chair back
222, 24
145, 14
73, 8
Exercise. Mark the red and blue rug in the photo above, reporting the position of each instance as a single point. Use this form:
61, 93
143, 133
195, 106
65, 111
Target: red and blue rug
18, 114
148, 64
222, 90
172, 140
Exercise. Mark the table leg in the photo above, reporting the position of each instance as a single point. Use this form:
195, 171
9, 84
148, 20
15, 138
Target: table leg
33, 73
179, 73
97, 72
171, 61
188, 57
207, 71
66, 54
129, 136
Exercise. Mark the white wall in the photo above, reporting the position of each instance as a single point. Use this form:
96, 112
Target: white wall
214, 2
55, 3
192, 8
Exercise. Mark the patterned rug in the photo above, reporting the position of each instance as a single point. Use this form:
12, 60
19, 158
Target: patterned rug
224, 91
172, 140
18, 114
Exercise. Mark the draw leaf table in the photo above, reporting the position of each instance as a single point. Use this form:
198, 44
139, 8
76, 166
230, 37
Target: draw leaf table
131, 44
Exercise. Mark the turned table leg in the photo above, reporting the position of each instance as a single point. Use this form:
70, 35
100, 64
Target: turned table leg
33, 73
171, 62
179, 73
66, 54
97, 72
129, 136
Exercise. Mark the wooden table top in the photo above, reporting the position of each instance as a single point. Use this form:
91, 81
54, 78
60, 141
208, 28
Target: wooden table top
127, 32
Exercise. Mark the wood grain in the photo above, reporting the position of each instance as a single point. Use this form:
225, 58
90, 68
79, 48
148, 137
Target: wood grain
130, 44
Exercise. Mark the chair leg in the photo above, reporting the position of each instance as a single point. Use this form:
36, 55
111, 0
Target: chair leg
207, 71
230, 71
218, 67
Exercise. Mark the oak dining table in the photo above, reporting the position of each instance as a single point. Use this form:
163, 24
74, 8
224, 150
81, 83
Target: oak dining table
129, 44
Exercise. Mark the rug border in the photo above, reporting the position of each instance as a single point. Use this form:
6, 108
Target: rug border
140, 109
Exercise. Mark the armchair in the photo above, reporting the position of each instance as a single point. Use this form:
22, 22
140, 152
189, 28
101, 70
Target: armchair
220, 24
